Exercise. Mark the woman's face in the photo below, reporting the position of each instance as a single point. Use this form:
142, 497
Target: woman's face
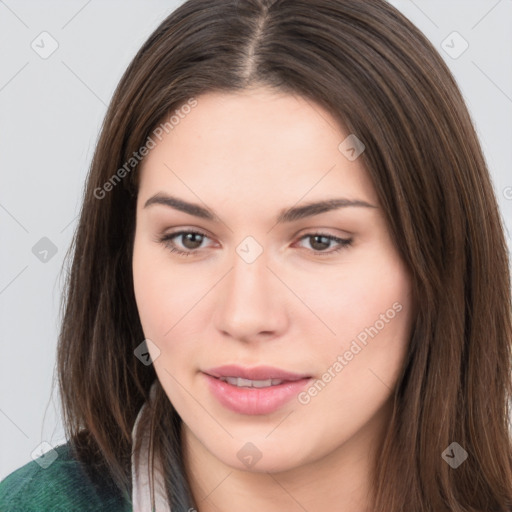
268, 290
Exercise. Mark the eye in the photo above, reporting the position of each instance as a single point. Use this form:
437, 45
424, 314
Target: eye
321, 241
190, 241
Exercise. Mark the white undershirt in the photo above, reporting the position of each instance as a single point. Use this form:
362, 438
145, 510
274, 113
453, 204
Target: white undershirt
141, 497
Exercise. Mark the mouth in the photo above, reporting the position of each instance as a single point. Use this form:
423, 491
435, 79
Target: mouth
248, 383
252, 391
257, 375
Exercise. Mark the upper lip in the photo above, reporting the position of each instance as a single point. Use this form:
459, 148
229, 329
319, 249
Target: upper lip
255, 373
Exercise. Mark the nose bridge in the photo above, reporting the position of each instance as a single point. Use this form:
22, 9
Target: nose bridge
249, 302
248, 281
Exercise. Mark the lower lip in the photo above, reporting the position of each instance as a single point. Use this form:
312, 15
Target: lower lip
254, 401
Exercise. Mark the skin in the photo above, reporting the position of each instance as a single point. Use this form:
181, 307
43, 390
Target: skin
247, 156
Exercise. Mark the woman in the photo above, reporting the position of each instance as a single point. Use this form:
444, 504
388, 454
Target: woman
290, 286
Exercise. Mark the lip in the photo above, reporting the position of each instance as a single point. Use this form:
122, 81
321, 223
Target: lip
256, 373
254, 401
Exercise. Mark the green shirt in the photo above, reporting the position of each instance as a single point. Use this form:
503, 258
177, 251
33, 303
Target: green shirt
63, 486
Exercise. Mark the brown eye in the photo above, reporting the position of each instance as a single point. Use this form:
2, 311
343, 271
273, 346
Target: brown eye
190, 242
319, 242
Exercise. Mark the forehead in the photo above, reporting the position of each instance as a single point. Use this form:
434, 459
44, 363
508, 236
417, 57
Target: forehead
252, 143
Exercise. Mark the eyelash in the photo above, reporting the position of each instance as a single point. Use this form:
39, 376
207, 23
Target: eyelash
166, 240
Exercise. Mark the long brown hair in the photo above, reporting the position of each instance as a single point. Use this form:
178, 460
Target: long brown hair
382, 79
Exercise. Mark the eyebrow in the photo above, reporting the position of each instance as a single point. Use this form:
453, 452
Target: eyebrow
288, 215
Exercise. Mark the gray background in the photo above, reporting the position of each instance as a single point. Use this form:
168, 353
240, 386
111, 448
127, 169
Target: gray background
50, 115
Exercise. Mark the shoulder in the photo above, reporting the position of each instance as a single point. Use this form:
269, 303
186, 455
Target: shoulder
62, 485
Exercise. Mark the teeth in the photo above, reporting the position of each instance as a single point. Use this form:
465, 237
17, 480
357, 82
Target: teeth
246, 383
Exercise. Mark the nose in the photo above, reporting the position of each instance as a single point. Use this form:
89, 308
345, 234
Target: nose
251, 302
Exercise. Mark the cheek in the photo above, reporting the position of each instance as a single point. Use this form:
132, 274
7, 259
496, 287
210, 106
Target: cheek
351, 297
162, 294
375, 329
358, 368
